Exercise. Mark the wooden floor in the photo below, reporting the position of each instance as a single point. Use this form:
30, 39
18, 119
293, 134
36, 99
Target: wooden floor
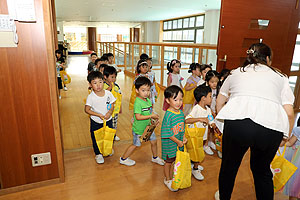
86, 180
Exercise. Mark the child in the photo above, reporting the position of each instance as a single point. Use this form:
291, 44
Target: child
151, 76
190, 86
60, 61
201, 116
142, 117
92, 63
172, 131
174, 78
292, 154
104, 59
141, 71
99, 105
111, 62
110, 75
204, 69
97, 64
212, 79
102, 67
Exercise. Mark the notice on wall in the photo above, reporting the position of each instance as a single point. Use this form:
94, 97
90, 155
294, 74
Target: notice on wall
8, 34
21, 10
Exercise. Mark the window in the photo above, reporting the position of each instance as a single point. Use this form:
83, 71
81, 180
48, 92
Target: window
188, 30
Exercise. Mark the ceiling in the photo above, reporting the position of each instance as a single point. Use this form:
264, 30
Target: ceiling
130, 10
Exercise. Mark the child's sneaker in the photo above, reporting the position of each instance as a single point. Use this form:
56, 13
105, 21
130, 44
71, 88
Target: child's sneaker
169, 185
217, 195
65, 88
127, 162
199, 167
212, 145
99, 159
197, 174
220, 154
208, 150
158, 160
117, 138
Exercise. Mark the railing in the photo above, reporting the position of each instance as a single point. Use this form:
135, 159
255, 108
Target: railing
127, 55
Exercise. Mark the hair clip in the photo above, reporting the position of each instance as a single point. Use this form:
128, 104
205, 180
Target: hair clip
250, 51
143, 63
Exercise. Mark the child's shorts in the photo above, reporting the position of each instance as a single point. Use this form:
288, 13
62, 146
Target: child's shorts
170, 160
136, 138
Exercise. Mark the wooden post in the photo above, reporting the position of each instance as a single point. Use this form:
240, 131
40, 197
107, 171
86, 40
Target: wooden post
193, 55
150, 51
140, 49
145, 49
200, 56
206, 56
162, 65
178, 53
159, 53
118, 49
132, 58
125, 57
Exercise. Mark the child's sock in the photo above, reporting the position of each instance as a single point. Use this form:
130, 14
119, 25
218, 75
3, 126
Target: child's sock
195, 168
123, 158
154, 157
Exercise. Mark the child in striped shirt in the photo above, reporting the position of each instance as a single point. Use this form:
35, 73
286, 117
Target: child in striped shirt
172, 131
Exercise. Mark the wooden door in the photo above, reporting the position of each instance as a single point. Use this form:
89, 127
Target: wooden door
243, 23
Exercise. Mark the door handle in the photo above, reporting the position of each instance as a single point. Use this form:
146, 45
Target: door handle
223, 59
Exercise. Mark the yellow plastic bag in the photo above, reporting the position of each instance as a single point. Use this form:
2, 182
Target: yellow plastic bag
132, 97
282, 170
118, 101
188, 97
218, 142
65, 77
157, 88
195, 143
105, 138
182, 170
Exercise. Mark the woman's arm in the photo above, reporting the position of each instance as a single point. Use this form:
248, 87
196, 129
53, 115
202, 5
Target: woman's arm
221, 100
288, 108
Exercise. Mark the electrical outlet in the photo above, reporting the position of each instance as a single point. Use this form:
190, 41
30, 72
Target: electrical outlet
41, 159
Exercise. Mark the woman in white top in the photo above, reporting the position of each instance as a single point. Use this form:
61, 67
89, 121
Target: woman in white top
258, 115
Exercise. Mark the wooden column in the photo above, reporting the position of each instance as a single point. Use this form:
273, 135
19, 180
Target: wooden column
92, 38
162, 65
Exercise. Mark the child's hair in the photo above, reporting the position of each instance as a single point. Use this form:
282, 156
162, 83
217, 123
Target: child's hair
103, 66
104, 57
93, 54
210, 74
171, 64
93, 75
194, 66
139, 64
142, 80
257, 54
205, 66
61, 59
144, 56
109, 70
97, 60
201, 91
172, 91
110, 54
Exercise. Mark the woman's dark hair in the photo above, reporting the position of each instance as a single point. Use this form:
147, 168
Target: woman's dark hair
257, 54
205, 66
142, 80
172, 91
93, 75
139, 64
194, 66
171, 64
201, 91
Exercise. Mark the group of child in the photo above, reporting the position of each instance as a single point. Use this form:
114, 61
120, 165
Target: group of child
193, 105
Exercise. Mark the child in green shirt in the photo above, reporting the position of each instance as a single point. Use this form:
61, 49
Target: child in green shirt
142, 117
172, 131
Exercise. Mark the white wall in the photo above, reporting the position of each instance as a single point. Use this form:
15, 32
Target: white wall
211, 32
151, 31
60, 28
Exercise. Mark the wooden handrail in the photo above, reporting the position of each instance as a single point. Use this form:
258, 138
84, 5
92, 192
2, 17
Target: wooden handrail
203, 46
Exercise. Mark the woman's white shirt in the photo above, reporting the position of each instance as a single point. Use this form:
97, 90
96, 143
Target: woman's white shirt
259, 93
